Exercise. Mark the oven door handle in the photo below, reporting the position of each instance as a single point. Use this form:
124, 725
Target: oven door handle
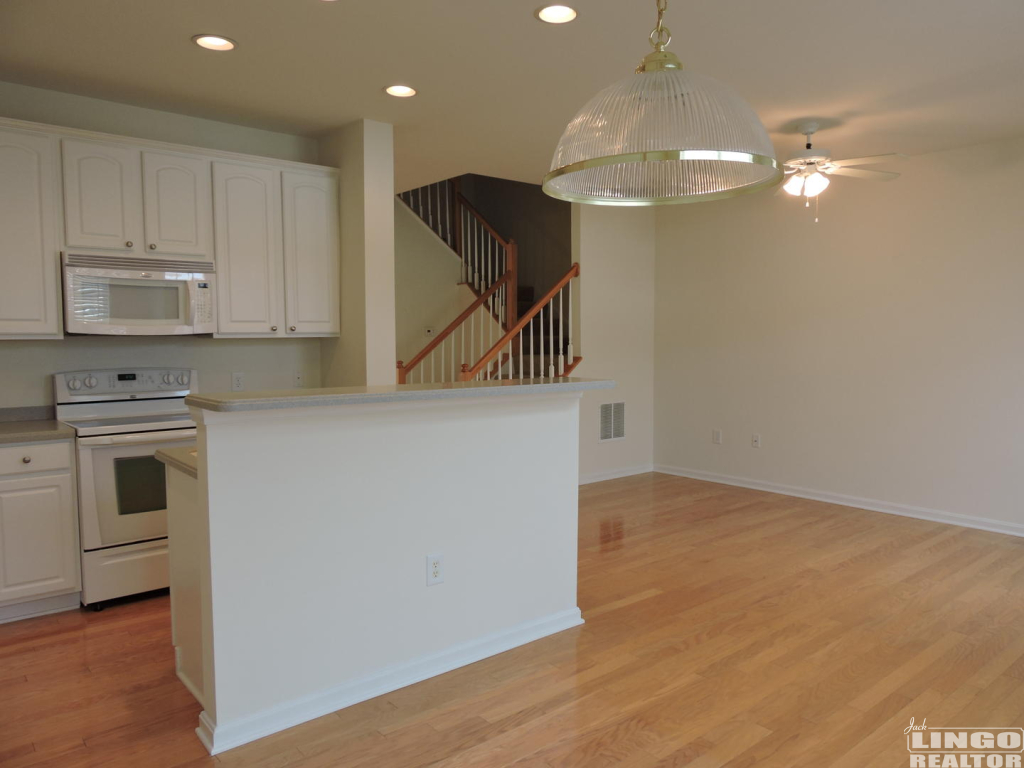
141, 438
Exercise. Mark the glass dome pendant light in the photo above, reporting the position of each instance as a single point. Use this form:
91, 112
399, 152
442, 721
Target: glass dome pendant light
662, 136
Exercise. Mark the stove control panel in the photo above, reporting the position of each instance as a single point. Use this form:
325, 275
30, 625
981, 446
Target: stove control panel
123, 384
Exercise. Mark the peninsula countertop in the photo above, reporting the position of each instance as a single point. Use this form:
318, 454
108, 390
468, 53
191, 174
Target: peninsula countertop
392, 393
183, 459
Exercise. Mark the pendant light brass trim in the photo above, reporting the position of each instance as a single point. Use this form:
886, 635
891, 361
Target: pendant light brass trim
666, 154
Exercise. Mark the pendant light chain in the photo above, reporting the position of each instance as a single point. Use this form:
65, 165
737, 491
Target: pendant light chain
661, 36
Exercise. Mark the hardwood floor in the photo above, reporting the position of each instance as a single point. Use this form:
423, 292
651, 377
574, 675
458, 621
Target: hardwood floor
725, 627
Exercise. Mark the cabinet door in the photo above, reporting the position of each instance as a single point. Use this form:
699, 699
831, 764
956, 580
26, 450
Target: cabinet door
102, 196
311, 253
38, 542
178, 209
29, 289
247, 247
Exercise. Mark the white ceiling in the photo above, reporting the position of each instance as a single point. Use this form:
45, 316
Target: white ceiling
497, 87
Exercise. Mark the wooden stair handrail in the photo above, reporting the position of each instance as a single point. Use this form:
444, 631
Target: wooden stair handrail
467, 375
403, 369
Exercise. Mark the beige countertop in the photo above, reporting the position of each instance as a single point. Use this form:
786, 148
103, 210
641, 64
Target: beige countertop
34, 431
183, 459
313, 398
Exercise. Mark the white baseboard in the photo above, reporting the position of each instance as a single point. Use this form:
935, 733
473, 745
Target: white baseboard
891, 508
612, 474
220, 737
47, 605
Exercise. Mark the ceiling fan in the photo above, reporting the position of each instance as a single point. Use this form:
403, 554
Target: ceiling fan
809, 170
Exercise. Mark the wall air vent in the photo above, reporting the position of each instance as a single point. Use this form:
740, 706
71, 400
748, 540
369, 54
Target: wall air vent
613, 421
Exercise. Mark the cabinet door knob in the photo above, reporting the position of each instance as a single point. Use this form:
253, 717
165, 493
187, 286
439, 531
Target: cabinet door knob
26, 460
152, 246
273, 327
129, 244
292, 328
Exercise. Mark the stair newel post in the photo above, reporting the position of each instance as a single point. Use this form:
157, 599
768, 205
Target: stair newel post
401, 372
464, 374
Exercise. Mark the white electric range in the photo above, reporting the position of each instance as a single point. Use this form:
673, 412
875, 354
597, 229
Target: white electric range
122, 417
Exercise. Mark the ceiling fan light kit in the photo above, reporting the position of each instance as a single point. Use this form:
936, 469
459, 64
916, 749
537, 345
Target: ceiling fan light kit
810, 168
662, 136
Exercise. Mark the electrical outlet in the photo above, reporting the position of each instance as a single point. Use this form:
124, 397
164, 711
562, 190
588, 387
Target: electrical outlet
237, 381
435, 570
300, 381
755, 441
716, 436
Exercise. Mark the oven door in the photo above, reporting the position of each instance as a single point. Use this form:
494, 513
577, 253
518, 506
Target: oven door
122, 486
128, 303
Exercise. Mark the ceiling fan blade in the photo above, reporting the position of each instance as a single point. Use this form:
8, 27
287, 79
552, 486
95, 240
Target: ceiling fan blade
869, 160
857, 173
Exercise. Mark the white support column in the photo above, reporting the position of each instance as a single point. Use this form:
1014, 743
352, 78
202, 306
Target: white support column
364, 353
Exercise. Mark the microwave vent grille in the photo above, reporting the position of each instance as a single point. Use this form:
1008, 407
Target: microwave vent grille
140, 265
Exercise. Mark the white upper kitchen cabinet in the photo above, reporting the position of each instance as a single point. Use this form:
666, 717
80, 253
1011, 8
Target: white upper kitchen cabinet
311, 253
29, 287
102, 196
248, 248
177, 204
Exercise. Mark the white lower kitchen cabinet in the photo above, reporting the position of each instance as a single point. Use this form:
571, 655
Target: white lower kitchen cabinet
39, 552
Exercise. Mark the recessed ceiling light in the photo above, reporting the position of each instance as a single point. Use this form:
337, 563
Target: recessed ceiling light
401, 91
213, 42
556, 14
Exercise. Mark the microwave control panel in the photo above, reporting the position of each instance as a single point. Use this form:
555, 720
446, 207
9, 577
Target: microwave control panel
124, 383
204, 302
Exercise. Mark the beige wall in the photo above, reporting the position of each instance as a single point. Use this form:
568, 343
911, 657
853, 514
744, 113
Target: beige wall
615, 251
25, 366
23, 102
879, 353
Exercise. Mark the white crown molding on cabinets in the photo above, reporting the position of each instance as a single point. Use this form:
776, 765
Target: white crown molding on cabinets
162, 146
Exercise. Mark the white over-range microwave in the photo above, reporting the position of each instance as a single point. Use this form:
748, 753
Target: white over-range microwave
123, 296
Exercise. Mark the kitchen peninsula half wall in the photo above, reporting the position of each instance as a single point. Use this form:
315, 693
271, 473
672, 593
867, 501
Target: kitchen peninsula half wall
346, 542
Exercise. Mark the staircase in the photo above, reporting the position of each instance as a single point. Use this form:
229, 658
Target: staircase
503, 333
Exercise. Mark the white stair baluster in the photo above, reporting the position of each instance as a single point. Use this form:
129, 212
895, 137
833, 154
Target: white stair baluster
561, 334
531, 347
521, 354
570, 354
540, 324
551, 338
